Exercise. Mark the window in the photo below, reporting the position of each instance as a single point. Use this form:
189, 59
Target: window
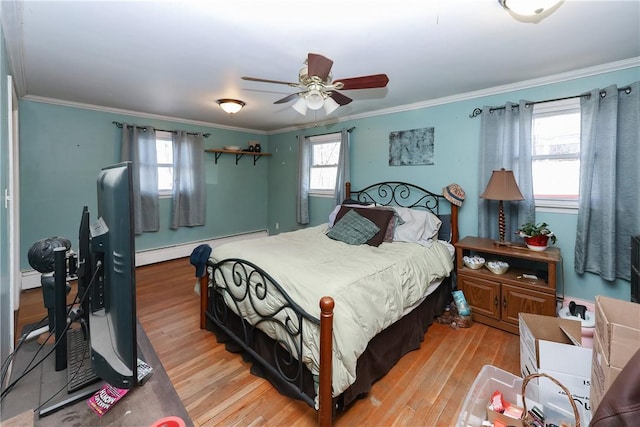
164, 149
555, 153
325, 153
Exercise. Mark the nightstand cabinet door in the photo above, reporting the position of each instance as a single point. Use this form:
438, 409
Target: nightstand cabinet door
518, 300
483, 296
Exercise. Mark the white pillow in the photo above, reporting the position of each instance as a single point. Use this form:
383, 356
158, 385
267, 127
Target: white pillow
418, 225
432, 226
333, 214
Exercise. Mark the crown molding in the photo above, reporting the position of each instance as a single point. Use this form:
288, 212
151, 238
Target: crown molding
100, 108
496, 90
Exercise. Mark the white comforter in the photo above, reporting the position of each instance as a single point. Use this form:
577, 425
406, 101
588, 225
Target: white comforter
371, 286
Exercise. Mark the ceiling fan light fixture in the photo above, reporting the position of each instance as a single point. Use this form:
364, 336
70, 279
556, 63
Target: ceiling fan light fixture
230, 106
315, 100
528, 7
300, 106
330, 105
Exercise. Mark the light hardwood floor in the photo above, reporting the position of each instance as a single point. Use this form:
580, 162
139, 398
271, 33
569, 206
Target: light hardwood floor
426, 388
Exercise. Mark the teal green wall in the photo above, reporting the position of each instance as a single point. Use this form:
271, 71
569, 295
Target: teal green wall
5, 284
63, 148
457, 142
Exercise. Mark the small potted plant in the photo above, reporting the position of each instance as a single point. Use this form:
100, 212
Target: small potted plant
536, 236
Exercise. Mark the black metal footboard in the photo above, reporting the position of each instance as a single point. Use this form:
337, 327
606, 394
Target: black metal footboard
239, 287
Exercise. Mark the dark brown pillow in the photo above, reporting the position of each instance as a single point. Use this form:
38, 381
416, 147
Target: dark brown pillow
379, 217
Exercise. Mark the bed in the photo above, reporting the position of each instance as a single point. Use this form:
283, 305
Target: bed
333, 318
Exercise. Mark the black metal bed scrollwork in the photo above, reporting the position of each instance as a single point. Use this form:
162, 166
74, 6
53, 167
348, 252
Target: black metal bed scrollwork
401, 194
239, 283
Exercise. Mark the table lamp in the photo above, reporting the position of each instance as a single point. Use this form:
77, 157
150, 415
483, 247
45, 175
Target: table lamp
502, 186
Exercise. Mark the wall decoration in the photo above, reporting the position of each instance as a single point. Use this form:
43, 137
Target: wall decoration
411, 147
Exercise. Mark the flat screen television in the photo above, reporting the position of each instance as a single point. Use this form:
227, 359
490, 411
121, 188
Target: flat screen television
107, 293
85, 259
112, 312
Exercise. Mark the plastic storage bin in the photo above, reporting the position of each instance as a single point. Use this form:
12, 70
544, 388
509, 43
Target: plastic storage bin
490, 379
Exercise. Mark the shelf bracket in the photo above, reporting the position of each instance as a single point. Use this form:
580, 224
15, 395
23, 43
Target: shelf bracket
238, 157
255, 158
218, 156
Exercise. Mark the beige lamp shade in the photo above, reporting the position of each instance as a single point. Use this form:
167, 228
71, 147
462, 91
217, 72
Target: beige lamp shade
502, 186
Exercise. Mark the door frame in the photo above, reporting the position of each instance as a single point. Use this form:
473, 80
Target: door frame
12, 201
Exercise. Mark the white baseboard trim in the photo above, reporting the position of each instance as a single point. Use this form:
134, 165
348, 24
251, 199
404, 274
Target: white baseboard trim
31, 278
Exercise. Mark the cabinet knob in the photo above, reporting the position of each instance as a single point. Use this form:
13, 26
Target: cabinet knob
504, 302
495, 301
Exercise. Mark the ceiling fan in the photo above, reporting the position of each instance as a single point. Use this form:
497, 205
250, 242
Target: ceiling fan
318, 87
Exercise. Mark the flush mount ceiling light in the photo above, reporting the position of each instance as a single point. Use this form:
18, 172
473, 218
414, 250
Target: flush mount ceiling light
530, 10
230, 106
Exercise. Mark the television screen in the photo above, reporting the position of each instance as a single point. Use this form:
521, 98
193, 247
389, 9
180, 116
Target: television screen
112, 316
85, 262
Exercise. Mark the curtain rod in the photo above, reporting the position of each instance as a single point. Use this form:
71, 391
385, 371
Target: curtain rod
477, 111
120, 124
330, 133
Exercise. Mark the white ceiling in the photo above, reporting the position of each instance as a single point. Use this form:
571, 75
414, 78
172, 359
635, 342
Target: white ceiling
175, 58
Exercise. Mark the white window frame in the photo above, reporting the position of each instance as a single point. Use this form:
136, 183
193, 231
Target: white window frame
318, 140
164, 136
565, 106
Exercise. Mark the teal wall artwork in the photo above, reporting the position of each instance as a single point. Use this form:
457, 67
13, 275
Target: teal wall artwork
411, 147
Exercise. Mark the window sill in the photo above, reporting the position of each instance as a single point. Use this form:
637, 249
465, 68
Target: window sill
557, 206
324, 194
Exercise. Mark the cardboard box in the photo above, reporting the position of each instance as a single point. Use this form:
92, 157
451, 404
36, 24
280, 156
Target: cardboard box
602, 374
546, 346
618, 326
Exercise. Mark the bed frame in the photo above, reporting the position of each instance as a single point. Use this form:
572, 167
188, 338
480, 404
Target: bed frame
279, 361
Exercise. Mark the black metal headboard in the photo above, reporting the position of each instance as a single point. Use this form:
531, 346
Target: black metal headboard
395, 193
404, 194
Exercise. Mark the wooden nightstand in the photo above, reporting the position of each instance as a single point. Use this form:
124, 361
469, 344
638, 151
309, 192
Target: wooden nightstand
496, 300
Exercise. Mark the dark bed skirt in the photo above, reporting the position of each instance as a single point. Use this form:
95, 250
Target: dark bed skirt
382, 353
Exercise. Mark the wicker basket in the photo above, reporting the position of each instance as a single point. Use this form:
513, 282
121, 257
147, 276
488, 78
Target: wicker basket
526, 420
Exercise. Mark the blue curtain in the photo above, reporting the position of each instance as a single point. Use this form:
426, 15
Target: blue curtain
344, 169
189, 192
505, 142
139, 146
609, 206
304, 165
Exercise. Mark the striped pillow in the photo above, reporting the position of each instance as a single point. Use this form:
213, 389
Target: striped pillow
353, 229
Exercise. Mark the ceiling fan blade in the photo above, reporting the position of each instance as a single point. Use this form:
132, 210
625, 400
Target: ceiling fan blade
318, 65
340, 98
286, 98
255, 79
364, 82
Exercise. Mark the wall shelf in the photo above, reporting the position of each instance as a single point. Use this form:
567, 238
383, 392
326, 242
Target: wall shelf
238, 153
